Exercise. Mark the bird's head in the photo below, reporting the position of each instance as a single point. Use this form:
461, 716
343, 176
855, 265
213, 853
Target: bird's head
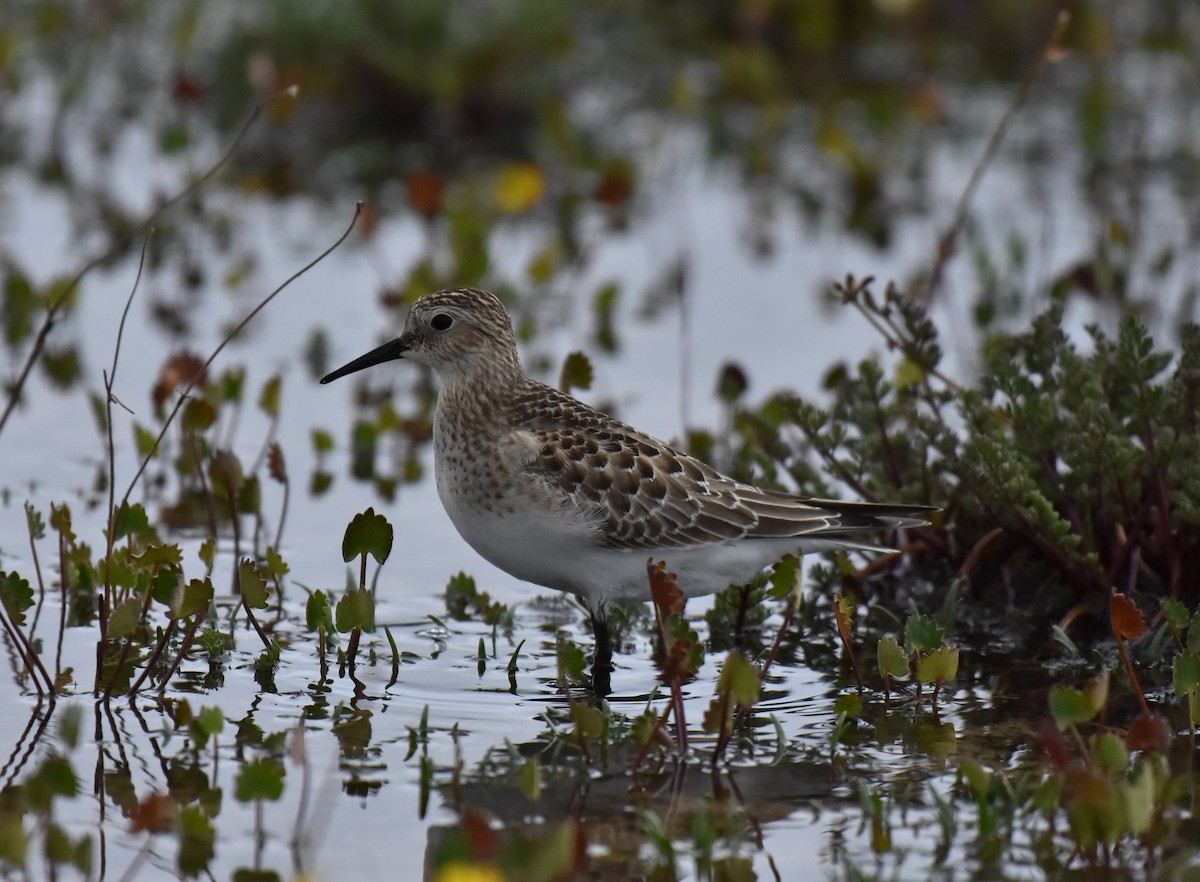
460, 333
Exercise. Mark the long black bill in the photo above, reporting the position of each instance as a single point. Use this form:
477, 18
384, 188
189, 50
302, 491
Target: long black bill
387, 352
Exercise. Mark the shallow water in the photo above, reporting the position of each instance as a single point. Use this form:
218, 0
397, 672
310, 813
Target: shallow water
789, 809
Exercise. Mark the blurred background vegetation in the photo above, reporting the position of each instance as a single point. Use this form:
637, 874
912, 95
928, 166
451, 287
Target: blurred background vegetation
567, 116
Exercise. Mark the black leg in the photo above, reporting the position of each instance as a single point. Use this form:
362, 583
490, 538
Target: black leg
602, 664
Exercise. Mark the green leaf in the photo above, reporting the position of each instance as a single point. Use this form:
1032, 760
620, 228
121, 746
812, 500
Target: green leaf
252, 585
143, 440
34, 522
848, 703
531, 779
572, 661
54, 777
225, 472
123, 619
268, 399
787, 577
232, 383
1065, 640
731, 382
69, 721
717, 716
978, 779
461, 595
249, 498
356, 609
322, 441
60, 522
17, 596
589, 721
156, 557
275, 565
576, 372
740, 679
1069, 706
1138, 803
129, 520
208, 552
259, 779
367, 533
643, 726
1095, 691
605, 303
19, 301
317, 612
192, 599
1186, 670
62, 366
163, 585
211, 720
81, 855
57, 844
196, 836
921, 634
892, 659
909, 373
1193, 637
172, 138
1109, 753
938, 666
1176, 615
198, 415
14, 841
320, 483
937, 740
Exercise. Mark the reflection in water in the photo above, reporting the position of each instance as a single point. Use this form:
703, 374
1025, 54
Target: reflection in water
453, 764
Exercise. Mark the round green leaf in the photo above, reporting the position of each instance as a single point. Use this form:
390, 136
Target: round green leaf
1069, 706
356, 609
123, 619
253, 586
892, 659
259, 779
192, 599
367, 533
318, 614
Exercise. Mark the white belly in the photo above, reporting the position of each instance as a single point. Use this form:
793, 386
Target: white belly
537, 535
564, 552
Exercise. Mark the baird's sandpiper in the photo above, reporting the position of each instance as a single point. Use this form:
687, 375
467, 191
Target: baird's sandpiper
558, 494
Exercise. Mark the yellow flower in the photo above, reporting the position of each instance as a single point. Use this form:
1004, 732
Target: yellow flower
458, 871
517, 187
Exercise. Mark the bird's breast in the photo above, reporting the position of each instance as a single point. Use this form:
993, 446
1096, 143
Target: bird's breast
516, 522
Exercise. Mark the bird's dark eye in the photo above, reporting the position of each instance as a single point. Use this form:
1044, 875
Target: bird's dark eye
441, 322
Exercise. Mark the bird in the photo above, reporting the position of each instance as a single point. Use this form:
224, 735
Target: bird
558, 494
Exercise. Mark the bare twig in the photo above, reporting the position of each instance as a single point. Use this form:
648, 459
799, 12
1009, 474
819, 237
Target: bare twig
37, 568
168, 632
62, 607
228, 337
28, 656
184, 646
110, 378
117, 247
945, 246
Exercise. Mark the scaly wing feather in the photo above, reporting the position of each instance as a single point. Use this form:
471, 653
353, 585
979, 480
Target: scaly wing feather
641, 493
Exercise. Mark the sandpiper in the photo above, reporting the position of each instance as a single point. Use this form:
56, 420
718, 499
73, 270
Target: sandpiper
561, 495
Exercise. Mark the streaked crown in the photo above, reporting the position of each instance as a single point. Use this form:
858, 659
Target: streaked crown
461, 333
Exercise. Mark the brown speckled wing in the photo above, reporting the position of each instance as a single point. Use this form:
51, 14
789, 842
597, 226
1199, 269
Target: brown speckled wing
642, 493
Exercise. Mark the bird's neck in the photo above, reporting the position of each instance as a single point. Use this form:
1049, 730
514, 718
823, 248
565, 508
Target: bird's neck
481, 398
